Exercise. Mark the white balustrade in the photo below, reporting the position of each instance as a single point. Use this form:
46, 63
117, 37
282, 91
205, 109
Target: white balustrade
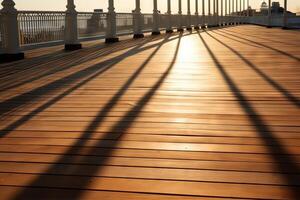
10, 46
111, 31
34, 28
71, 33
155, 28
138, 20
180, 20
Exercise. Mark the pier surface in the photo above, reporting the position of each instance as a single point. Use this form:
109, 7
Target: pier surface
201, 115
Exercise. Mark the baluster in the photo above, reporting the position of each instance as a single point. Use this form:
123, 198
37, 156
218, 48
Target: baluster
203, 26
11, 49
269, 25
169, 27
71, 33
155, 28
138, 19
180, 27
285, 17
226, 21
111, 32
196, 25
209, 15
189, 27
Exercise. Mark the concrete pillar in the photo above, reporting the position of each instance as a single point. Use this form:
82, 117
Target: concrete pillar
285, 17
170, 27
71, 32
11, 47
189, 16
214, 12
155, 28
269, 25
217, 13
203, 25
180, 28
209, 21
111, 32
138, 21
196, 26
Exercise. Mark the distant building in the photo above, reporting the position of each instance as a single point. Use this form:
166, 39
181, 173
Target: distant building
276, 9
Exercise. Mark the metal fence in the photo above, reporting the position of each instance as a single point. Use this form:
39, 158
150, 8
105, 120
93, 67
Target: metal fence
276, 21
148, 22
91, 24
40, 26
36, 27
124, 23
1, 33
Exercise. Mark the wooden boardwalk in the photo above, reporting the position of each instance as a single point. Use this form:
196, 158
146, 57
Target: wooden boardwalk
201, 115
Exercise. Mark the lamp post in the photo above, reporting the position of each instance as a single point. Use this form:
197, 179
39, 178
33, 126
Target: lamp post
10, 31
169, 28
138, 19
111, 33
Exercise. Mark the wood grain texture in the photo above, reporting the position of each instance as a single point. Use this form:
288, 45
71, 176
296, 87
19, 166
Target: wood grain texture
204, 115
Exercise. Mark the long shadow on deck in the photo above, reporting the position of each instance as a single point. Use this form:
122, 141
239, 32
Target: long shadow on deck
121, 126
16, 102
271, 142
37, 68
263, 45
289, 96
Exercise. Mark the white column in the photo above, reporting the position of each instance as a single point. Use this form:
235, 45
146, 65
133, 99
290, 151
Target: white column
180, 16
111, 32
203, 15
9, 26
71, 32
155, 28
229, 11
217, 13
138, 20
170, 27
248, 9
196, 25
209, 21
226, 4
214, 12
189, 18
269, 25
237, 10
285, 24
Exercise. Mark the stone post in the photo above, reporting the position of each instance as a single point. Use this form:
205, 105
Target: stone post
71, 32
9, 28
111, 32
138, 20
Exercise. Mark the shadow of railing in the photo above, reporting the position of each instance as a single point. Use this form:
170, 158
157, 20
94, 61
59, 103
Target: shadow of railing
236, 40
37, 68
263, 38
16, 102
121, 126
264, 45
272, 144
289, 96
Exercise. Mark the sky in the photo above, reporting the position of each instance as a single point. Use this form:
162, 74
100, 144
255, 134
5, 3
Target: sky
125, 5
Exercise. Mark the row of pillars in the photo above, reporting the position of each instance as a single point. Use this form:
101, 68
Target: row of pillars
10, 22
